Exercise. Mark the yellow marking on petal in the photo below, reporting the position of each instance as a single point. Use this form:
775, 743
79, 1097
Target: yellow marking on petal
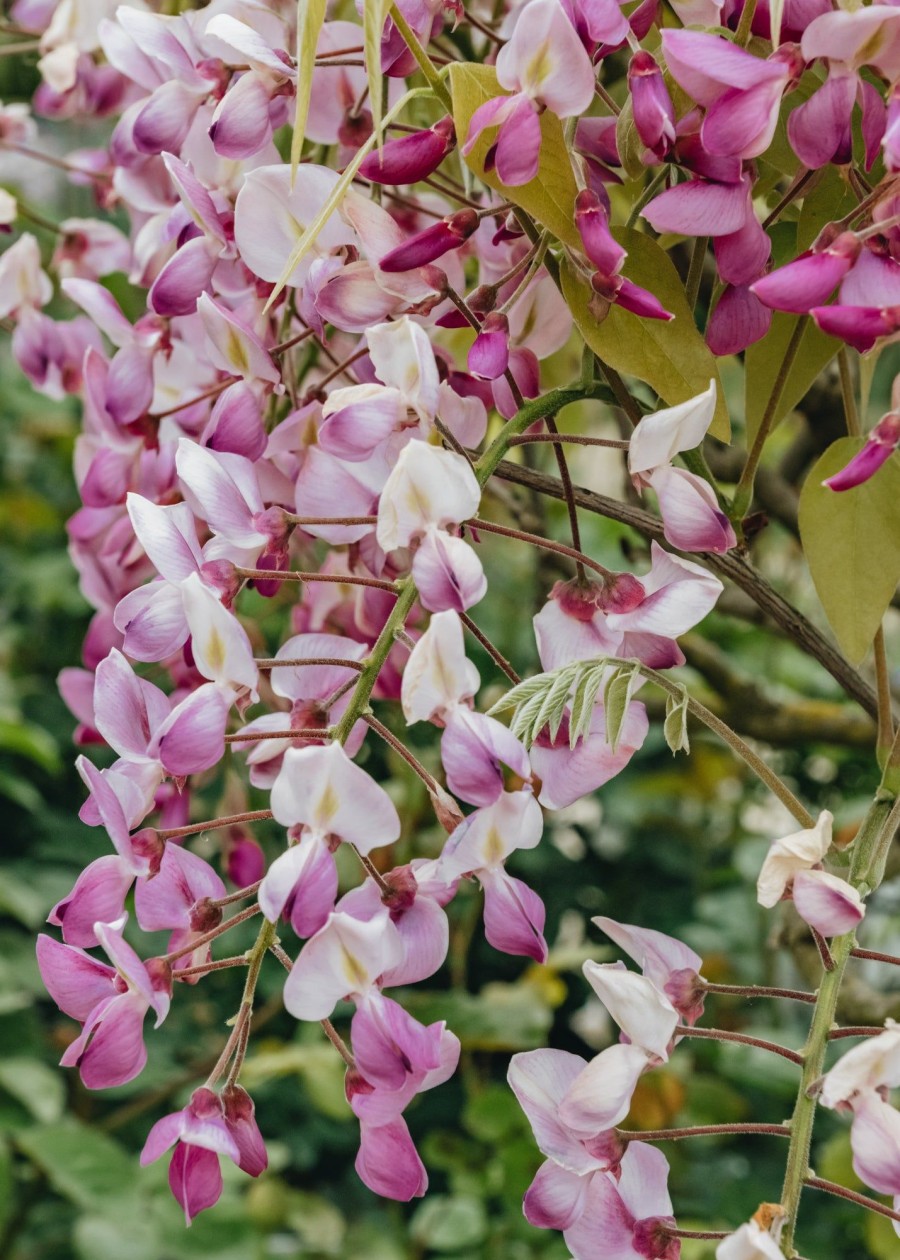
494, 849
215, 652
326, 807
236, 352
357, 976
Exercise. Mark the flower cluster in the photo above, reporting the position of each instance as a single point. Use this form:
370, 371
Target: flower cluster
288, 407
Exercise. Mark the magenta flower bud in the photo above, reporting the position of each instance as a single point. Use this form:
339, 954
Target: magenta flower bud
435, 241
859, 326
654, 114
592, 221
412, 157
489, 353
240, 1120
881, 444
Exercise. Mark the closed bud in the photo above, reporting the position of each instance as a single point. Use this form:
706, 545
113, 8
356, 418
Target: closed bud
654, 114
435, 241
412, 157
592, 221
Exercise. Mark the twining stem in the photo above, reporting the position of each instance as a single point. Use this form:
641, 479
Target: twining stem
565, 478
743, 494
760, 991
695, 270
400, 748
569, 439
863, 1200
856, 1030
768, 776
545, 544
301, 662
885, 738
492, 650
865, 848
254, 737
702, 1130
875, 956
211, 935
212, 824
342, 579
725, 1034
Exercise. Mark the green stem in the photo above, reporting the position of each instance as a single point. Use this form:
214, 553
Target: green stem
695, 271
424, 62
763, 772
865, 852
743, 495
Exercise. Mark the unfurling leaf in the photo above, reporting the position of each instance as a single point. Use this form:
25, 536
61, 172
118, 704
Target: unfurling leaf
616, 699
675, 725
310, 18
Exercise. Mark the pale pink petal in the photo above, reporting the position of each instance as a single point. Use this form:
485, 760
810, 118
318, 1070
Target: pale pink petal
514, 915
388, 1162
324, 790
192, 738
827, 903
98, 896
600, 1097
556, 1197
448, 573
76, 981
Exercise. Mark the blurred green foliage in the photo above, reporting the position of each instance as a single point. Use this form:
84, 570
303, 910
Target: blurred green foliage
670, 843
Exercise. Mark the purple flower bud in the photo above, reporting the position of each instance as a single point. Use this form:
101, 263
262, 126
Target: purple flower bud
435, 241
412, 157
489, 354
592, 222
240, 1120
654, 114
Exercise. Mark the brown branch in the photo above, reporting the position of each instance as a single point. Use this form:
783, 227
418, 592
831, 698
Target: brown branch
731, 566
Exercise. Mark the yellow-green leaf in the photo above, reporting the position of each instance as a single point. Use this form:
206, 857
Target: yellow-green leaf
550, 196
830, 199
310, 17
374, 17
672, 357
852, 544
763, 362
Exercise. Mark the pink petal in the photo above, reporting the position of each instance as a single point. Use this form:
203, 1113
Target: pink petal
185, 276
691, 514
192, 738
518, 147
569, 773
875, 1138
448, 573
827, 903
164, 902
116, 1052
738, 321
741, 122
605, 1226
556, 1198
698, 208
388, 1044
514, 915
819, 129
195, 1179
388, 1162
241, 124
76, 981
98, 896
473, 749
860, 326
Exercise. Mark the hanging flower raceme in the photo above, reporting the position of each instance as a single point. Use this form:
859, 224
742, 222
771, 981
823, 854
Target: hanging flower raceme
545, 66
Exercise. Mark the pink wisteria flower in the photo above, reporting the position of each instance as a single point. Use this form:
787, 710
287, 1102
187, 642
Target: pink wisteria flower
545, 66
691, 514
110, 1003
793, 869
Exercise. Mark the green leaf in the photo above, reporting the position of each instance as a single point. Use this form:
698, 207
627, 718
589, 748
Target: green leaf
587, 688
40, 1089
629, 145
310, 17
24, 739
450, 1223
616, 700
852, 544
550, 196
374, 16
763, 362
671, 356
82, 1164
830, 199
554, 704
675, 725
516, 696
